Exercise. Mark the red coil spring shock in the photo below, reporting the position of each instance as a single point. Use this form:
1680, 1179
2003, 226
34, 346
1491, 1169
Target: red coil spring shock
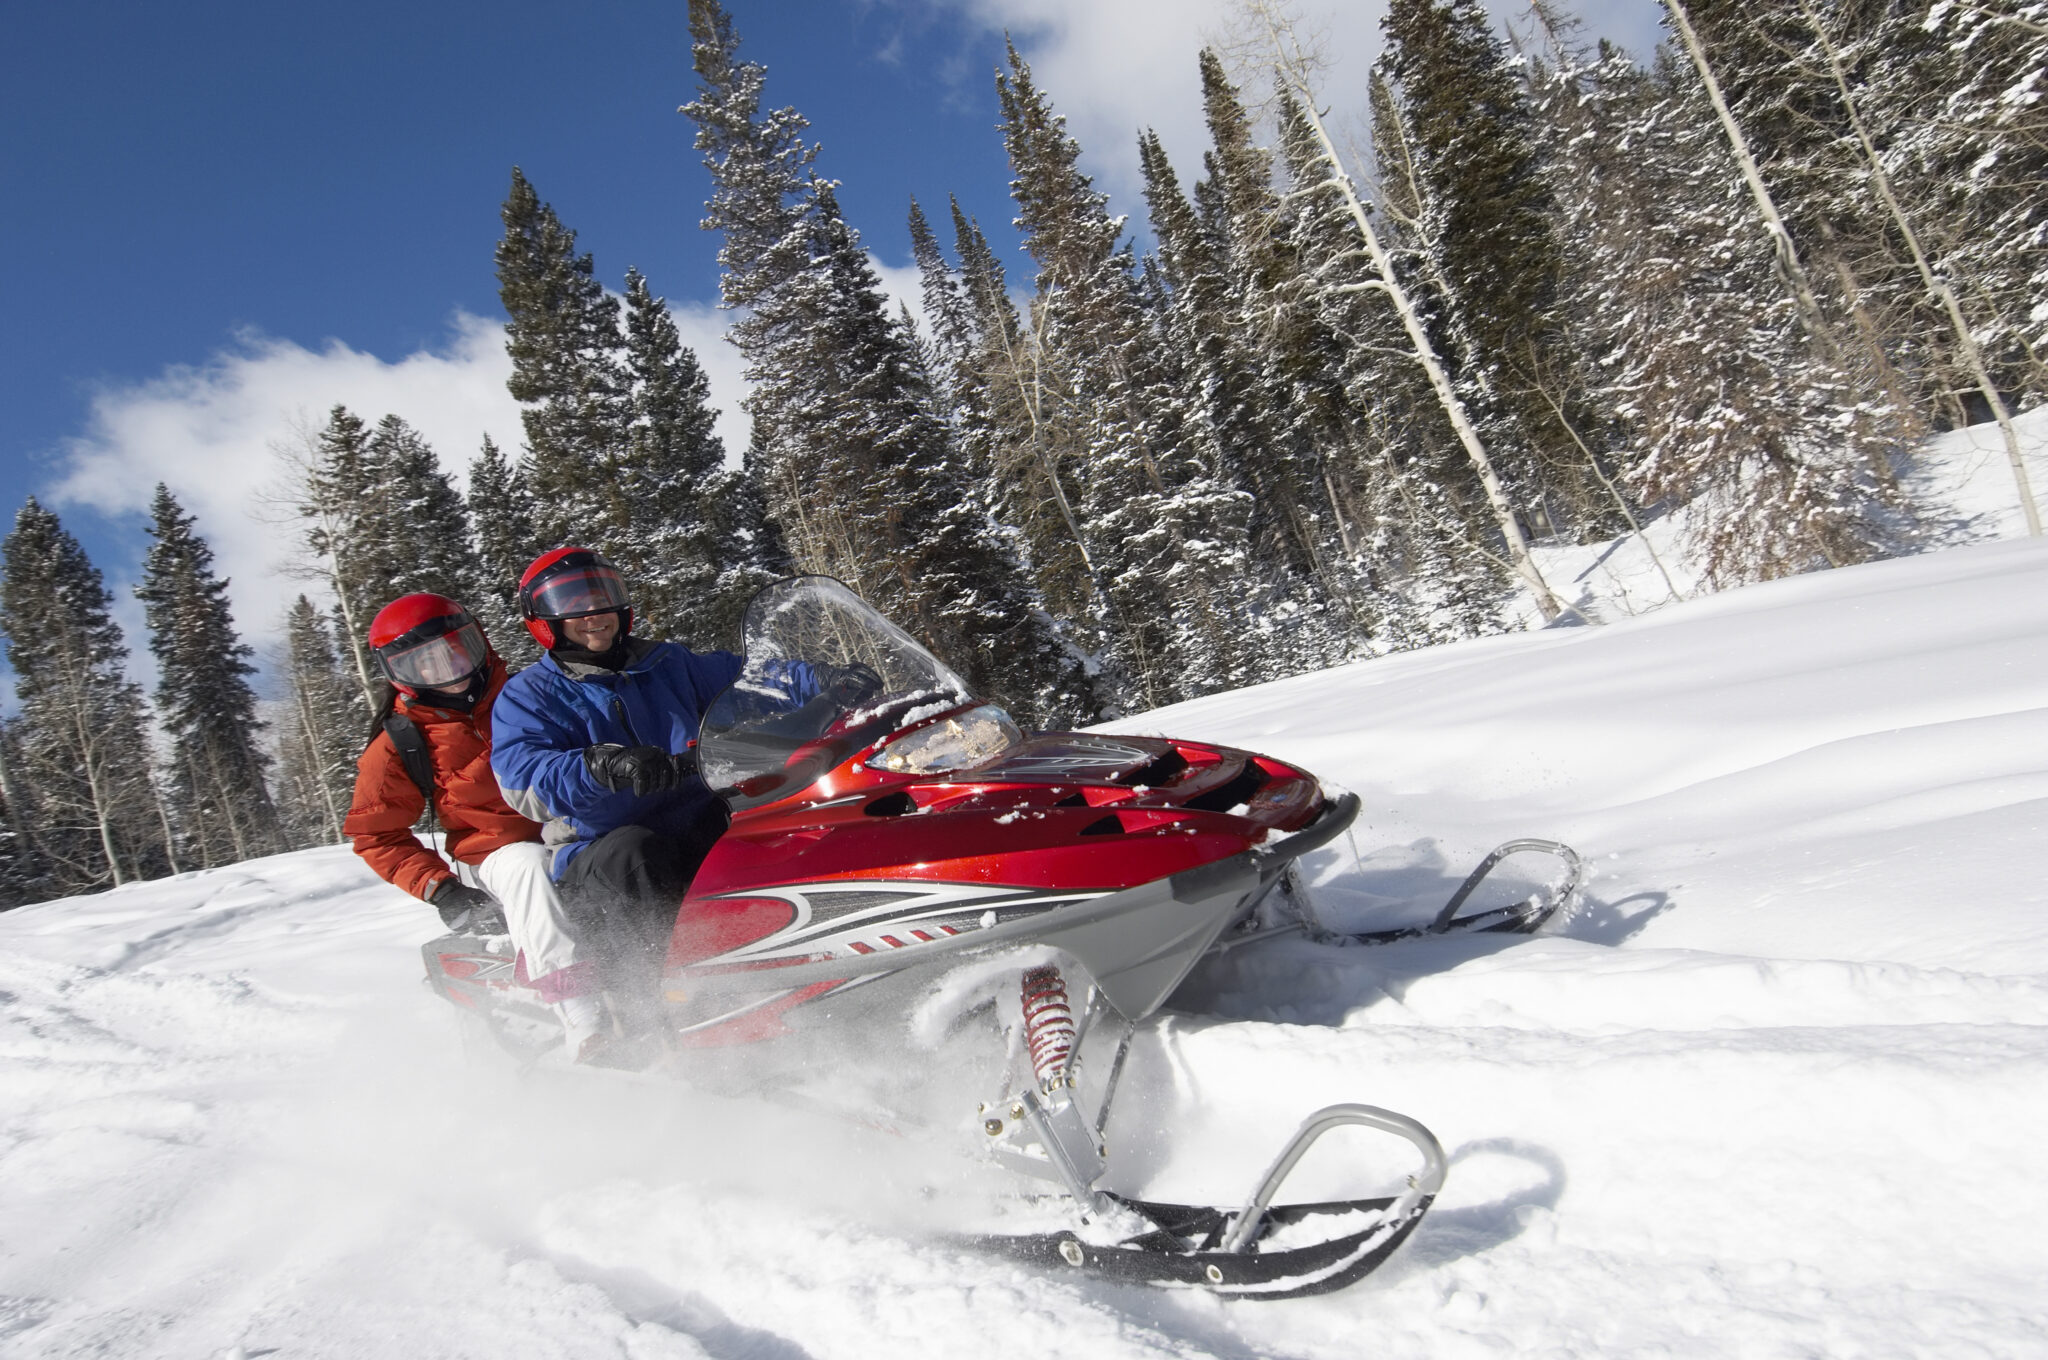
1048, 1025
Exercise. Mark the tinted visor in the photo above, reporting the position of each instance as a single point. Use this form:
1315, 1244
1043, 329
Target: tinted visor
436, 662
591, 588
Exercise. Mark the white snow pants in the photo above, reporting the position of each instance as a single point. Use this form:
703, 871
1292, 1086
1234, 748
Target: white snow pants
517, 875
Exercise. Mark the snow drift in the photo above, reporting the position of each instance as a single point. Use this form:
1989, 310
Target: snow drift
1774, 1089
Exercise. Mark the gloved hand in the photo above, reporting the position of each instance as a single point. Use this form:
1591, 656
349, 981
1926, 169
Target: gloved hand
640, 769
851, 686
466, 910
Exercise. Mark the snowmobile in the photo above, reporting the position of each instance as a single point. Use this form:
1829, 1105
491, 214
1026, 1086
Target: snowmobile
892, 832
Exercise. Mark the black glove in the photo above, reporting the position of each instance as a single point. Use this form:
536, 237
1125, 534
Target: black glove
851, 686
640, 769
466, 910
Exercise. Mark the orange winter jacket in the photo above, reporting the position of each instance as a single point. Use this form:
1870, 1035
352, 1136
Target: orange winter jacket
466, 798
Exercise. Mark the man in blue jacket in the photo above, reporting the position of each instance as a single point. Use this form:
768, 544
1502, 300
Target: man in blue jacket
596, 744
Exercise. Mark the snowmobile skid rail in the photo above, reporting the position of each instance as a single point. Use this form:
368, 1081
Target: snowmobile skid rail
1257, 1252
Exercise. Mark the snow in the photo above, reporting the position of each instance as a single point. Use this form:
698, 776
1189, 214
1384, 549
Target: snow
1775, 1089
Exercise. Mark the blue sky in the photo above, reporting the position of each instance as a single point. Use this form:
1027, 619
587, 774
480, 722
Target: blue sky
226, 217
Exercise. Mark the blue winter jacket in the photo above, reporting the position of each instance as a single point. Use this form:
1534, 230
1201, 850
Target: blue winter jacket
549, 712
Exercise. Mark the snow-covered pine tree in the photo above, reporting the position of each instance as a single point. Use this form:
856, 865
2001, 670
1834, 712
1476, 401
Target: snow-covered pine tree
865, 476
1947, 308
693, 578
1787, 137
1976, 162
567, 370
421, 530
501, 512
1168, 533
1584, 100
79, 745
335, 496
1483, 218
382, 520
946, 308
1731, 410
319, 733
1211, 327
1021, 441
220, 805
1420, 479
747, 543
25, 871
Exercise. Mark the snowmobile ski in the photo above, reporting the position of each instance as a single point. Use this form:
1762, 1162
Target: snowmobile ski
1259, 1251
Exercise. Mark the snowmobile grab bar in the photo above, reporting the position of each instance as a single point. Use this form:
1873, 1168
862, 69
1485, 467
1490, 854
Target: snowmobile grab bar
1336, 815
1422, 1185
1564, 852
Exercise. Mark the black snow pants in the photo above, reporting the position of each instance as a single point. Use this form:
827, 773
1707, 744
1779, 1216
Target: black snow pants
626, 888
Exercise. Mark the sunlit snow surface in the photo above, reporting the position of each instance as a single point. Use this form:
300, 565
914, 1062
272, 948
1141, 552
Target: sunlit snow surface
1777, 1089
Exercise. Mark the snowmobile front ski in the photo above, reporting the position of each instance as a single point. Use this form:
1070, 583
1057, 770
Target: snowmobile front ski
1258, 1251
1519, 918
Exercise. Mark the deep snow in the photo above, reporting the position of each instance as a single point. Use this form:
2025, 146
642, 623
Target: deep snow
1776, 1089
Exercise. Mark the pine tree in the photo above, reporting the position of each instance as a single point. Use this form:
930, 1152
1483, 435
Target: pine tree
1019, 442
79, 747
205, 707
563, 337
25, 872
682, 568
336, 497
1210, 321
1731, 409
1168, 532
501, 510
319, 734
1977, 161
864, 474
420, 522
382, 520
1484, 218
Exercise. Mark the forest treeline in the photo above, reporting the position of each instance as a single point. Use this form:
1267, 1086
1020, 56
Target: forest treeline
1324, 408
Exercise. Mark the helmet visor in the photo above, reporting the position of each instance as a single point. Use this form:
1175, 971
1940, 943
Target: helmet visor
592, 588
437, 662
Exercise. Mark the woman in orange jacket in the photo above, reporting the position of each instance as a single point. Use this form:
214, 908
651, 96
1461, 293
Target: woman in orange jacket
446, 674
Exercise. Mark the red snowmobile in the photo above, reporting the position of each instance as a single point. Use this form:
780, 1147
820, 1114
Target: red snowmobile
883, 842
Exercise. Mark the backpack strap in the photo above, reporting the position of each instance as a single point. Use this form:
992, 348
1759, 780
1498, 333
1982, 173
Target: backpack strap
412, 753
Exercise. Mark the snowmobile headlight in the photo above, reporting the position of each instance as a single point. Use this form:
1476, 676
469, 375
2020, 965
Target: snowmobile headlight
958, 742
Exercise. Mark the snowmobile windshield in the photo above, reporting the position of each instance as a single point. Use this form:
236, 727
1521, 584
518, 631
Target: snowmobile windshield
825, 677
437, 662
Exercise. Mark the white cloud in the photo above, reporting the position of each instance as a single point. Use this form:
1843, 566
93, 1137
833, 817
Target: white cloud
905, 286
210, 432
1114, 69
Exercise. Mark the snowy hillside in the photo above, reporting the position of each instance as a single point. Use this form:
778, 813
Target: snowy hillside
1776, 1090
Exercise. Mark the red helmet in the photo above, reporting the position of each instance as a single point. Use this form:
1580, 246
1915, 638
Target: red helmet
569, 583
425, 641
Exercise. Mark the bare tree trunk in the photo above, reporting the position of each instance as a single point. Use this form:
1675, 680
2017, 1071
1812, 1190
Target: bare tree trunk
1787, 256
227, 807
1292, 68
95, 781
163, 817
316, 767
1937, 284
